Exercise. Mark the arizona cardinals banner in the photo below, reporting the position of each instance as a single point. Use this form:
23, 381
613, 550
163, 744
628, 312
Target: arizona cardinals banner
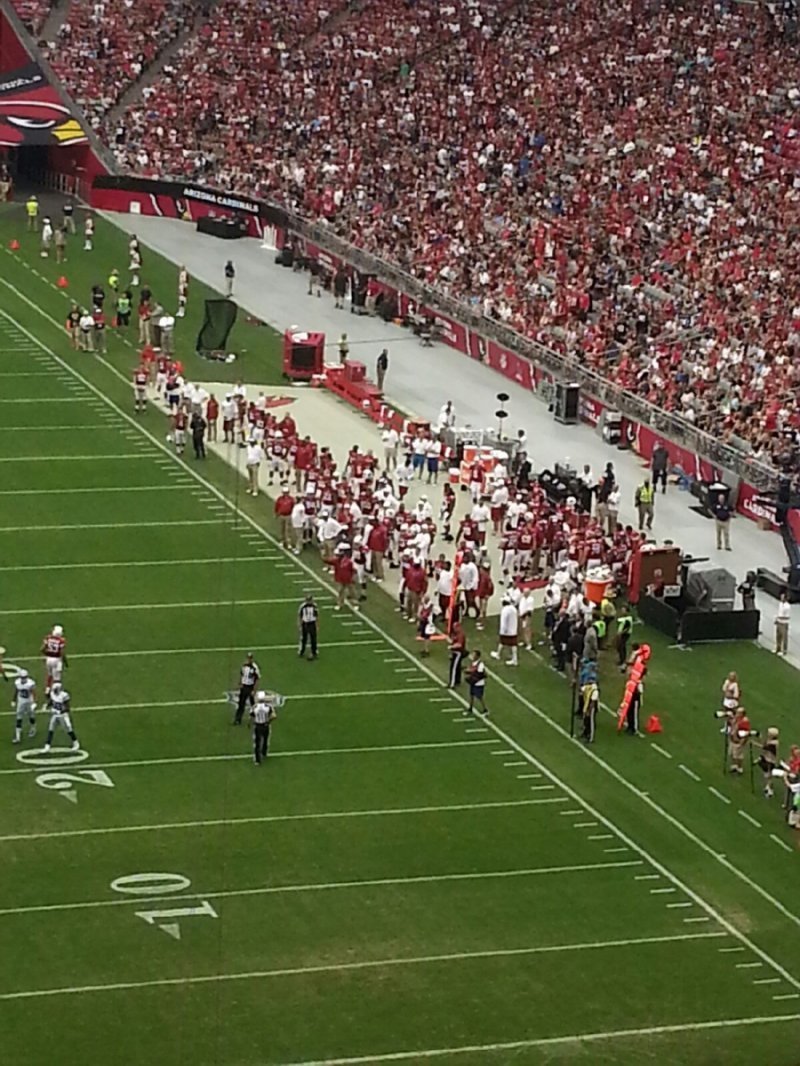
32, 112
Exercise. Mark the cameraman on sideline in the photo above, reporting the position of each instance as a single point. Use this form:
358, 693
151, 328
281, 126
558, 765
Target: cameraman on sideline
768, 759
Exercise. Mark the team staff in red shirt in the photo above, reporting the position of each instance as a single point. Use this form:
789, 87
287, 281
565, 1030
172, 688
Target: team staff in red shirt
377, 545
344, 572
284, 506
212, 416
416, 585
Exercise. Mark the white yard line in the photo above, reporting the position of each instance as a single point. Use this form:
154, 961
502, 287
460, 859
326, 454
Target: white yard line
321, 816
568, 790
576, 1039
183, 759
148, 606
368, 964
328, 886
688, 772
190, 704
661, 751
108, 488
135, 562
139, 652
114, 525
121, 457
749, 818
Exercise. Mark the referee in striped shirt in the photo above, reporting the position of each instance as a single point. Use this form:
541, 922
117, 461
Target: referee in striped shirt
263, 715
248, 679
307, 622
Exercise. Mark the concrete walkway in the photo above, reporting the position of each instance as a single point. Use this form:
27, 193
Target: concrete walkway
421, 379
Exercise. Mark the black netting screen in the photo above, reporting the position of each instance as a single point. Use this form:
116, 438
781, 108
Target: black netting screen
219, 319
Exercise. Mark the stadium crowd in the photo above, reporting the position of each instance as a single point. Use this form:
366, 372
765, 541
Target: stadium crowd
639, 211
617, 180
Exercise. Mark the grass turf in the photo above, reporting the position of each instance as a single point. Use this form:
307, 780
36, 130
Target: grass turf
397, 878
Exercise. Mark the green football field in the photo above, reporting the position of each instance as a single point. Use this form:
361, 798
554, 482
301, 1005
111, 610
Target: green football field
399, 882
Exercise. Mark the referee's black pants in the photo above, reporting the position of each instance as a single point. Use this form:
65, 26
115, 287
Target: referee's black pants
308, 635
260, 741
456, 662
245, 697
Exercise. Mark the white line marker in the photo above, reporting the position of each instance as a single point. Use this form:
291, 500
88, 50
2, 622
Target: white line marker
679, 906
91, 491
767, 981
90, 609
326, 886
114, 525
649, 877
439, 699
405, 670
189, 704
126, 563
688, 772
186, 759
781, 843
545, 788
584, 825
504, 753
718, 794
662, 891
418, 960
528, 777
788, 995
515, 764
661, 751
568, 790
749, 818
601, 836
121, 457
748, 965
614, 851
380, 812
697, 921
196, 651
573, 811
730, 951
477, 729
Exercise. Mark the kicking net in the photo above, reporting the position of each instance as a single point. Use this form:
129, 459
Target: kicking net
218, 322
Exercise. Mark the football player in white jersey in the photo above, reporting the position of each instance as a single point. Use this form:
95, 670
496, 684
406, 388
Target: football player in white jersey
59, 704
23, 704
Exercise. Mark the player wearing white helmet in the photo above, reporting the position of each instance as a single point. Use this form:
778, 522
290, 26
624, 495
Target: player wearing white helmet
23, 704
54, 648
59, 704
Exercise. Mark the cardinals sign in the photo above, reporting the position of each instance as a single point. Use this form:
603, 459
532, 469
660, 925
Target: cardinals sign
32, 112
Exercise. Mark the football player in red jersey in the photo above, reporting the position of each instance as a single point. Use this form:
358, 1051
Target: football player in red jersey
54, 648
140, 376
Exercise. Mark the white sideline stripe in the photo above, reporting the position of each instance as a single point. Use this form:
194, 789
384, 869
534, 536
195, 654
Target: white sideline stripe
325, 886
209, 823
551, 1041
136, 562
369, 964
173, 760
782, 843
44, 399
114, 525
662, 891
749, 818
719, 795
424, 668
122, 456
108, 488
688, 772
147, 607
661, 751
677, 906
195, 651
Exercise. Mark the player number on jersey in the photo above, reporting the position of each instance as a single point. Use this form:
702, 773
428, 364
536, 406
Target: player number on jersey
163, 884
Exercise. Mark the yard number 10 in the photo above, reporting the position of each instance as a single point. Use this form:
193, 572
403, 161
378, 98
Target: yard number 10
158, 884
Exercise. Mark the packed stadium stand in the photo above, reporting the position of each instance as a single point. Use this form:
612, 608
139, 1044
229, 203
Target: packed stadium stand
619, 180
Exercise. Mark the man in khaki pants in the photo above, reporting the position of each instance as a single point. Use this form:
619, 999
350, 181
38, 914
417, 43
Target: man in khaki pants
782, 617
722, 522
